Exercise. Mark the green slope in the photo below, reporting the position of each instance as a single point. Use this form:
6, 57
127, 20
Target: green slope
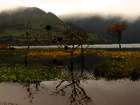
13, 25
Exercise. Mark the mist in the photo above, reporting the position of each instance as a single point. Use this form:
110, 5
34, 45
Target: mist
98, 24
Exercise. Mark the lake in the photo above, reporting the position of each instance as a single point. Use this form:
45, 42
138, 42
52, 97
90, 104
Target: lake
134, 45
120, 92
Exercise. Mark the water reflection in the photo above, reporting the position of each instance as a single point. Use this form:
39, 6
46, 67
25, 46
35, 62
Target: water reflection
120, 92
70, 86
77, 95
31, 89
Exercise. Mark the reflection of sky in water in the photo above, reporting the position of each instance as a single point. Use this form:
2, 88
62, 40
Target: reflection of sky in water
121, 92
88, 46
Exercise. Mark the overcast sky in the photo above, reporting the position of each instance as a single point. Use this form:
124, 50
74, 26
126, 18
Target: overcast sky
62, 7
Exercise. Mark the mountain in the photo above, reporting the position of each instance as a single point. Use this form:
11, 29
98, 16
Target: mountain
13, 26
99, 24
15, 21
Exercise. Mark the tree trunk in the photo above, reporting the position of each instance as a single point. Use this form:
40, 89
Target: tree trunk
25, 61
82, 60
72, 64
120, 46
119, 40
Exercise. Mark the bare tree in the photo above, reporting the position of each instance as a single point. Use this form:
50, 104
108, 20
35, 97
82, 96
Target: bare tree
82, 40
70, 42
28, 41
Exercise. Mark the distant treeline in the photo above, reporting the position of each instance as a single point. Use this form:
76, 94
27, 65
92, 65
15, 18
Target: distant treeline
12, 23
99, 24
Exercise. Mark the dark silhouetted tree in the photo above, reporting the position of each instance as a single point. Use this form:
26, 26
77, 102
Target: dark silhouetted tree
49, 29
28, 39
75, 38
72, 40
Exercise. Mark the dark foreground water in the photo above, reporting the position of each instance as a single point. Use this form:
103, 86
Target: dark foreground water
121, 92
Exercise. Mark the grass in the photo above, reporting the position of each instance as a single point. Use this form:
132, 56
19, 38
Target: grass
19, 73
118, 69
118, 54
52, 54
117, 65
101, 53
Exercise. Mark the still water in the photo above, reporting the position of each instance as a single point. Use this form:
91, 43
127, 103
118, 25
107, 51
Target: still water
134, 45
120, 92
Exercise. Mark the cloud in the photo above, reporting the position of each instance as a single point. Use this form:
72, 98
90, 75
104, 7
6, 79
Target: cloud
6, 4
60, 7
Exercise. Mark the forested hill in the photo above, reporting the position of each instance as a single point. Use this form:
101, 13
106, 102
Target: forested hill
13, 25
14, 22
99, 24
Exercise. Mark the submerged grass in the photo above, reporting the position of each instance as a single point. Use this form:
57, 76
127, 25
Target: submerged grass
20, 73
119, 68
117, 65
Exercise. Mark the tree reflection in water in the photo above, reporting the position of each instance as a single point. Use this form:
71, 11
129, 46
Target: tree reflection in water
78, 95
31, 89
70, 85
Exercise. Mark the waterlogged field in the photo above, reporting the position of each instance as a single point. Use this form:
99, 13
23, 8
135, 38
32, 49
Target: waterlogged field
101, 53
32, 67
52, 53
49, 64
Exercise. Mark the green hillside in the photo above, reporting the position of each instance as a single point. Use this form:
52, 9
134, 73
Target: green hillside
15, 24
